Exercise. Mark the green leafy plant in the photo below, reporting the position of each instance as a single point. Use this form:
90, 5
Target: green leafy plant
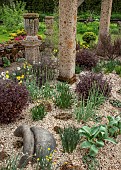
38, 112
91, 162
12, 15
11, 163
47, 91
6, 62
94, 138
45, 162
78, 69
63, 96
70, 138
111, 65
89, 37
118, 70
34, 90
114, 125
115, 103
99, 67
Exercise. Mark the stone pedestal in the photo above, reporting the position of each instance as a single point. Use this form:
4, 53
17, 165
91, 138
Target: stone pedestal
32, 43
67, 39
49, 21
106, 7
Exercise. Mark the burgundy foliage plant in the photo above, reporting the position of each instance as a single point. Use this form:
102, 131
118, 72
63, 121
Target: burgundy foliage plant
13, 98
89, 81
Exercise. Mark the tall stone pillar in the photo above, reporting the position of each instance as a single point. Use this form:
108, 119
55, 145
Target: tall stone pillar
67, 39
32, 43
106, 7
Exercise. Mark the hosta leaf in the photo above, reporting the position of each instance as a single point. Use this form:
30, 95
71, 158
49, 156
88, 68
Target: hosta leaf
86, 144
113, 130
87, 129
93, 150
100, 143
103, 128
119, 125
95, 131
111, 140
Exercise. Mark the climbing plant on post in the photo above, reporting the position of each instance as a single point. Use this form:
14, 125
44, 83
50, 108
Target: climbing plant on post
67, 39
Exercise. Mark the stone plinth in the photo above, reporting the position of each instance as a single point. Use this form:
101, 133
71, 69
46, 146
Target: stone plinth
49, 21
67, 39
106, 7
32, 52
31, 23
32, 43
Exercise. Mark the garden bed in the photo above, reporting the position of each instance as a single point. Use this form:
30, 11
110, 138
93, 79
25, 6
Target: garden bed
109, 156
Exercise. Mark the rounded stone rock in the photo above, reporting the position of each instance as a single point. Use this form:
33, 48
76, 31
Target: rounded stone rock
44, 141
28, 144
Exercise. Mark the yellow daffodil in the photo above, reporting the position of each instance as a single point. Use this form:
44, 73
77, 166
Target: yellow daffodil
24, 66
18, 78
47, 159
38, 159
7, 76
22, 76
48, 149
54, 163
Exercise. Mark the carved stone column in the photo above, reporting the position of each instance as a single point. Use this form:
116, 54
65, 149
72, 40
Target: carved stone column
67, 39
32, 43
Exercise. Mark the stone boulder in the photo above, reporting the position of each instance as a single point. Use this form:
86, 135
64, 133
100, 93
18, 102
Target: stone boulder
37, 142
28, 144
44, 141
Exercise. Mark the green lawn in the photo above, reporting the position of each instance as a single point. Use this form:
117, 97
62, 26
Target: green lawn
4, 37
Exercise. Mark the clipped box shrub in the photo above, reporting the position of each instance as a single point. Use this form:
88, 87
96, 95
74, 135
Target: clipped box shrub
13, 98
88, 37
89, 81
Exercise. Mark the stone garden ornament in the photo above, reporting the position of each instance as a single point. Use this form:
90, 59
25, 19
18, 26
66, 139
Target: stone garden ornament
36, 142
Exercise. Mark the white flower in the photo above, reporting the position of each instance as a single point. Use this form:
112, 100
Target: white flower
4, 78
33, 62
14, 74
18, 68
3, 74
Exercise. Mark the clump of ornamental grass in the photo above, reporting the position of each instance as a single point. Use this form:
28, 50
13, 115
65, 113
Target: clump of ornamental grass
63, 96
86, 83
13, 98
38, 112
86, 109
70, 138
